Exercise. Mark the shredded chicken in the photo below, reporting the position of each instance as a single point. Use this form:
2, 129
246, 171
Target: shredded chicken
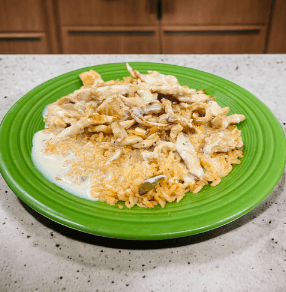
122, 132
224, 121
189, 155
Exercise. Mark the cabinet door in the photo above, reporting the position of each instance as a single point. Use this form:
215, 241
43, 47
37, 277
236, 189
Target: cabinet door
277, 34
21, 15
213, 40
107, 12
23, 43
215, 12
115, 40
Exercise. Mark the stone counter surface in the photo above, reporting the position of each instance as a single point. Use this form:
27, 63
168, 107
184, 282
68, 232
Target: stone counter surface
249, 254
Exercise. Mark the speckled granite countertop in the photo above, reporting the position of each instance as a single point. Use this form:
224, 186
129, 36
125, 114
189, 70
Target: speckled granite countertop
248, 254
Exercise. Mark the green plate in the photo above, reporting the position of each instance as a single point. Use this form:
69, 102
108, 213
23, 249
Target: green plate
243, 189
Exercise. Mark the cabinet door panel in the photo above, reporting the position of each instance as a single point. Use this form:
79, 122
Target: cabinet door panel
220, 41
107, 12
23, 43
19, 15
277, 34
216, 12
115, 41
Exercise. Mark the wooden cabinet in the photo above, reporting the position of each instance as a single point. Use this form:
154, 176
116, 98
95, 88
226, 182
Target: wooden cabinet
214, 27
217, 40
16, 15
23, 43
110, 40
277, 32
109, 27
107, 12
143, 26
23, 27
185, 26
215, 12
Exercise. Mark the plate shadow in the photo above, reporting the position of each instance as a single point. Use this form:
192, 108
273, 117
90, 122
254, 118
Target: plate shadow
157, 244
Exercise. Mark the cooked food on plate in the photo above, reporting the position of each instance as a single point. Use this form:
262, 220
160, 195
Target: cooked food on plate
145, 140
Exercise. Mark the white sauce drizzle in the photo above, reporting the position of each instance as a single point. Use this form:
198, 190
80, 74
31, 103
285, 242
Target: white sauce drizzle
52, 166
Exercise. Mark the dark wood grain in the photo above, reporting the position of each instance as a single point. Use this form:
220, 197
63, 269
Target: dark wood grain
23, 43
106, 40
52, 27
212, 12
107, 12
277, 34
21, 15
213, 39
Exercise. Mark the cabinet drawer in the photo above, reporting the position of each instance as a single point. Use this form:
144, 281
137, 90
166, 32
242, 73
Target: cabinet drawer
213, 40
19, 15
23, 43
119, 40
107, 12
215, 12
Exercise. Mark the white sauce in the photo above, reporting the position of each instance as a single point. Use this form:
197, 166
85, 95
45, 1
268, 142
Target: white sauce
52, 166
152, 180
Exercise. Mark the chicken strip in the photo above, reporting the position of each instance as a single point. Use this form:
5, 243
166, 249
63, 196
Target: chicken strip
153, 107
115, 89
153, 77
224, 121
222, 141
90, 78
147, 143
149, 155
118, 131
128, 141
175, 130
189, 155
195, 97
114, 106
215, 109
181, 120
175, 90
84, 122
138, 117
108, 130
